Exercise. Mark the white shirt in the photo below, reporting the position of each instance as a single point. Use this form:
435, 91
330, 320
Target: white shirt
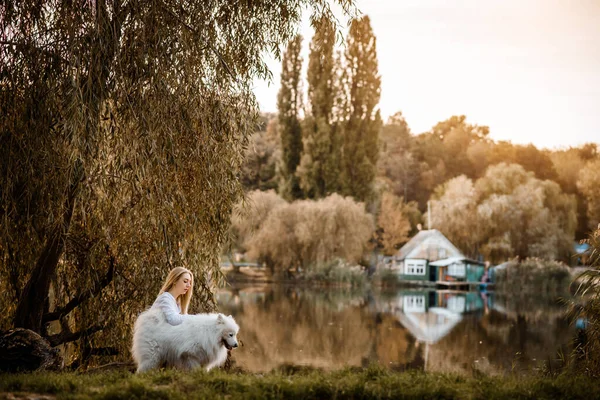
167, 303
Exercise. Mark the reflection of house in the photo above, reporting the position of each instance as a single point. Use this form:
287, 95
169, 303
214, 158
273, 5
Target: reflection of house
430, 256
431, 315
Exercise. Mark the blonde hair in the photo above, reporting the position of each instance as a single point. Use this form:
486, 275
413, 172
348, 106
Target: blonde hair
174, 276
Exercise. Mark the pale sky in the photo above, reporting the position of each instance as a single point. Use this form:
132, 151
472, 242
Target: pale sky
528, 69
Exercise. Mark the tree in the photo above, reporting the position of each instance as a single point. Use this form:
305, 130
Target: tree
250, 213
289, 104
361, 119
307, 232
319, 166
525, 217
454, 213
394, 225
123, 131
589, 185
396, 162
263, 155
537, 161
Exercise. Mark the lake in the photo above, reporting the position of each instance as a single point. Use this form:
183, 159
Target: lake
401, 329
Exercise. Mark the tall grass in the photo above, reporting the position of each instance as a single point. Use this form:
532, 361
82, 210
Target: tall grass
585, 313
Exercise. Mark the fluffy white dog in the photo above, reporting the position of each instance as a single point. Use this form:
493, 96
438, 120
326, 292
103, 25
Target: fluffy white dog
200, 340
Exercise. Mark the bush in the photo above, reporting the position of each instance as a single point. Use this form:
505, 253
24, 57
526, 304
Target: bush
336, 272
533, 274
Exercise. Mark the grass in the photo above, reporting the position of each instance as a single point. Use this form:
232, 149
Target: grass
351, 383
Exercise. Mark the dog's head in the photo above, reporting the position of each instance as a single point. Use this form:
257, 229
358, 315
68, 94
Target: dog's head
229, 331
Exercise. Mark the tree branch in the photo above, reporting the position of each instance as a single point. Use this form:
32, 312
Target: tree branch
81, 297
191, 29
67, 337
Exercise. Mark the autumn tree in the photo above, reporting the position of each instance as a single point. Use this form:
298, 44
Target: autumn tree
262, 156
361, 120
589, 185
506, 213
250, 213
394, 225
524, 216
454, 213
396, 163
307, 232
123, 131
289, 104
536, 161
319, 171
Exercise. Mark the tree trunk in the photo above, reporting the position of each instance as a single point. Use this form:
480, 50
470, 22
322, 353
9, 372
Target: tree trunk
30, 310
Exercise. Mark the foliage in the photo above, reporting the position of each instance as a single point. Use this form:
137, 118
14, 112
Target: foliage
587, 309
506, 213
262, 157
335, 272
123, 131
307, 232
524, 216
250, 213
360, 117
589, 185
289, 104
455, 214
319, 168
396, 162
373, 382
393, 222
533, 275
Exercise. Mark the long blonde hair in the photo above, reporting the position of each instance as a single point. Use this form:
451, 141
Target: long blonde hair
184, 299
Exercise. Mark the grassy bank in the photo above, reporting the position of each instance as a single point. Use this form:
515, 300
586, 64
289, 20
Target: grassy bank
369, 383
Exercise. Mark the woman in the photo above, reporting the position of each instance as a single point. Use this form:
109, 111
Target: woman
175, 295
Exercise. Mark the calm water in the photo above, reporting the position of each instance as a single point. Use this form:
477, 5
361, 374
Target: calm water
401, 329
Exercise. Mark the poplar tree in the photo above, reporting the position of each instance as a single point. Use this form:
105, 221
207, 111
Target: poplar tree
319, 167
361, 118
289, 103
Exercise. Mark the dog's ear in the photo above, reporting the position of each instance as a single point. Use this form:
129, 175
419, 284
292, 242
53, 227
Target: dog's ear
220, 319
230, 316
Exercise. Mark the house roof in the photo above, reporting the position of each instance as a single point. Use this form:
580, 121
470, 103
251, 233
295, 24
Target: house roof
431, 326
426, 245
451, 260
447, 261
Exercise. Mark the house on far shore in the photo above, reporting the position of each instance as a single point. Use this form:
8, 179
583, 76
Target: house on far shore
430, 257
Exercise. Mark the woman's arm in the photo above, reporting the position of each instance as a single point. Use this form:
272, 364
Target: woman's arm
168, 305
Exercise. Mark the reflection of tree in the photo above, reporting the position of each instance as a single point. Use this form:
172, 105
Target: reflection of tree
335, 328
328, 329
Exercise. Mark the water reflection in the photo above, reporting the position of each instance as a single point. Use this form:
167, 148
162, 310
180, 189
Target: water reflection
432, 330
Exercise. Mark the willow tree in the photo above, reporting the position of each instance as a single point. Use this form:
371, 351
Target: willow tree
123, 127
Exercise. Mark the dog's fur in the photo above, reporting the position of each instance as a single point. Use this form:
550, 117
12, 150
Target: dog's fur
200, 340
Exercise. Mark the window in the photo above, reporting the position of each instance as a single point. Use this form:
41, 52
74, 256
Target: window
457, 304
414, 303
415, 267
456, 269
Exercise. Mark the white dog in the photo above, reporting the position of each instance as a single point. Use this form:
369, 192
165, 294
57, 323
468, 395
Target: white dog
200, 340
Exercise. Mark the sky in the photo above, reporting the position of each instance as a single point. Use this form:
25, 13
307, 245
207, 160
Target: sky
528, 69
